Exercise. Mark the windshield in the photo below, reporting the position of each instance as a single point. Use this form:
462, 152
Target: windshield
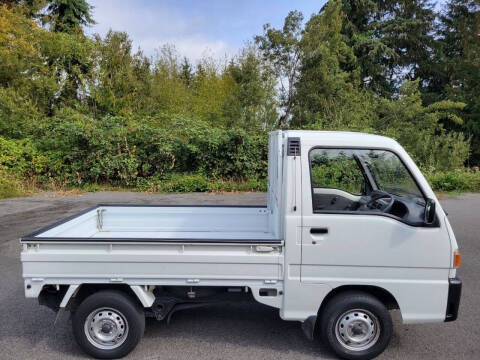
389, 173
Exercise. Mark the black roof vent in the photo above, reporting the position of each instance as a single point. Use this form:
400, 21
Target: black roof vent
293, 146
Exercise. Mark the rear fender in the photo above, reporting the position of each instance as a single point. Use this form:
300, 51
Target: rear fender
143, 294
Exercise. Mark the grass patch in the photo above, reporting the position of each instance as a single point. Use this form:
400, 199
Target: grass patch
176, 183
185, 183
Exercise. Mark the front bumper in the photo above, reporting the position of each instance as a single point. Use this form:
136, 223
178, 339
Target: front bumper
454, 294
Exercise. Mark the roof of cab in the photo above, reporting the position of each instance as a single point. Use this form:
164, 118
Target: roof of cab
342, 139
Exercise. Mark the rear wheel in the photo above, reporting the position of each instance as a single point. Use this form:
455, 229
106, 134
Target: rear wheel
108, 324
356, 326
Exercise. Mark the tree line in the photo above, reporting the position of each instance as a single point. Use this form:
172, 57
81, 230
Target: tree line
78, 109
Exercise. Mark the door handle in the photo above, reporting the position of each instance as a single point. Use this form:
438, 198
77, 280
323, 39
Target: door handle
318, 231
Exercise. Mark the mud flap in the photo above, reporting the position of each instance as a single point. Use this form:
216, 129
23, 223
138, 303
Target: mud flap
308, 327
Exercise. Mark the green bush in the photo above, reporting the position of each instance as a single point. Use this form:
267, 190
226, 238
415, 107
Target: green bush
458, 180
81, 149
444, 152
187, 183
119, 151
21, 158
9, 187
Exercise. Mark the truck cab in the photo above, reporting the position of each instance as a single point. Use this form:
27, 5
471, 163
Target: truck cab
351, 230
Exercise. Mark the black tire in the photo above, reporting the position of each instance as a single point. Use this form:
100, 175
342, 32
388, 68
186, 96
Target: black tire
131, 318
362, 314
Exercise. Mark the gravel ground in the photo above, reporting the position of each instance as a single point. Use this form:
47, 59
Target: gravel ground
240, 331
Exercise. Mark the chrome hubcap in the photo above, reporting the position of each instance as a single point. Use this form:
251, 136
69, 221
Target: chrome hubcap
106, 328
357, 330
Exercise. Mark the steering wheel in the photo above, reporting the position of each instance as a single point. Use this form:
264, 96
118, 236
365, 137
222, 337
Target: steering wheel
383, 206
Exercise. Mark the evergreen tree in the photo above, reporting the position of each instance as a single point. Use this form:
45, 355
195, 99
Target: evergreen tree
68, 15
407, 28
360, 28
328, 71
30, 8
392, 40
187, 72
458, 75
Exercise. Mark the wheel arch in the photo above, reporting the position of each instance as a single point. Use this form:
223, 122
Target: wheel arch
383, 295
140, 294
310, 325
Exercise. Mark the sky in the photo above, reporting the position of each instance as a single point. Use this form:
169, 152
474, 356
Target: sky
196, 28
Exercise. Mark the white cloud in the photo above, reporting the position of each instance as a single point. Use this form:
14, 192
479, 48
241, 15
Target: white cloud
151, 28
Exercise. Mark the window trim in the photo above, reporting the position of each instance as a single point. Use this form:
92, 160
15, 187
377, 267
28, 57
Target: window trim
435, 224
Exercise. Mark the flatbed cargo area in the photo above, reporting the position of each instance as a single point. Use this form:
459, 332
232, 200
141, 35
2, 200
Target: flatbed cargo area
119, 222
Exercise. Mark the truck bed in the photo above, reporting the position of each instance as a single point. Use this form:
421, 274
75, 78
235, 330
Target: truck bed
163, 223
157, 245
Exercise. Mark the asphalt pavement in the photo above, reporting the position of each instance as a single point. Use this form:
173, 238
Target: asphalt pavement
240, 331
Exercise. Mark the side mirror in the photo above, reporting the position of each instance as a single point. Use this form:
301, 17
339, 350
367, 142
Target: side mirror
429, 212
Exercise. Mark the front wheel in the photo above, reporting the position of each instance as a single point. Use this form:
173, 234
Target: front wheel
356, 325
108, 324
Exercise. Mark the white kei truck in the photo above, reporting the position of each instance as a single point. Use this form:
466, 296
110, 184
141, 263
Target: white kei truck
350, 231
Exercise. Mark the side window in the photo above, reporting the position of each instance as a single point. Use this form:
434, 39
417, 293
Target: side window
337, 180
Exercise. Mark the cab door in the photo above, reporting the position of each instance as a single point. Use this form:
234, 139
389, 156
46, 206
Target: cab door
342, 245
